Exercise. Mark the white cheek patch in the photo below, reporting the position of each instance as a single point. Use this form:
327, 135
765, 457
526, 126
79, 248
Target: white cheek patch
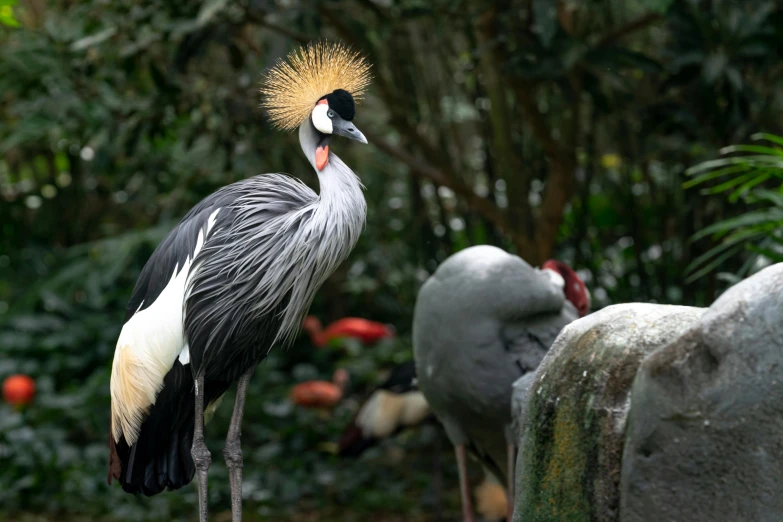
321, 121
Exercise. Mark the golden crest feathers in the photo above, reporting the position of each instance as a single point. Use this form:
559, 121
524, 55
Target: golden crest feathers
292, 87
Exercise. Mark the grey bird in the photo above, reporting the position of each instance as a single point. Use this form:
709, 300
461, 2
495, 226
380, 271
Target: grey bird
481, 321
397, 405
232, 280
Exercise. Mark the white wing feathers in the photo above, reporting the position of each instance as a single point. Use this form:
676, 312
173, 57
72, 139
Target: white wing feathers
147, 348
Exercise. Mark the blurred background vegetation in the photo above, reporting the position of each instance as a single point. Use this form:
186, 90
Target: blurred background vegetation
551, 128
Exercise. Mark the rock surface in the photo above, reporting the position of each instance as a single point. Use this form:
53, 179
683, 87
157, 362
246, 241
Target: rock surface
571, 415
705, 432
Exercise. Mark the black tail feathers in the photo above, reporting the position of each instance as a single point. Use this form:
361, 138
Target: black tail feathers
160, 458
151, 468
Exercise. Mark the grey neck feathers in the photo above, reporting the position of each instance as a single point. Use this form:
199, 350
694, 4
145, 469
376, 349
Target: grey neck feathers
278, 245
341, 189
336, 220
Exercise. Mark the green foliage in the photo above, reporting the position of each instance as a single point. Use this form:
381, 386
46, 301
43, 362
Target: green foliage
754, 179
7, 13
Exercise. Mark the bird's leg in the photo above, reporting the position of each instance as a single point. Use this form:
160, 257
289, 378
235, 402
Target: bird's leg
464, 487
437, 480
233, 448
199, 451
511, 456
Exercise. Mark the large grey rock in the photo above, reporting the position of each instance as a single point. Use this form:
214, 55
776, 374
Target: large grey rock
705, 432
571, 414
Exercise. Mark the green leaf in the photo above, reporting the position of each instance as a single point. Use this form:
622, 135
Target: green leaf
707, 165
728, 277
776, 151
745, 188
728, 242
759, 217
775, 257
712, 265
715, 174
7, 17
774, 238
731, 183
94, 39
769, 137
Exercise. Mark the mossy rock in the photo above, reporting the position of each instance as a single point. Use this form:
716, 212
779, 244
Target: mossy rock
572, 425
704, 440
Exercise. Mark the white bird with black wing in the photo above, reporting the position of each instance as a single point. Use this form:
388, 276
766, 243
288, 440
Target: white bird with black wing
233, 279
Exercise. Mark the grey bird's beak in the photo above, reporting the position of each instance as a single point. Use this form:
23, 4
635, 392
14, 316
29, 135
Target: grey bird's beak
348, 130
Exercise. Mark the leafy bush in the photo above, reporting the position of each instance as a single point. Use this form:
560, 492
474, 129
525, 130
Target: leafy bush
753, 179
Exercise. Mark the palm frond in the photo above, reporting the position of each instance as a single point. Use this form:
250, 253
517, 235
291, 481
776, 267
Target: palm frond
744, 178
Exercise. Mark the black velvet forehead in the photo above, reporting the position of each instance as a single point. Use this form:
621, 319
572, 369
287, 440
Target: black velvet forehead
341, 102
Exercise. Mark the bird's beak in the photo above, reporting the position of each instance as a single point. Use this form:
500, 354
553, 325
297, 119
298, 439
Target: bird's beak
348, 130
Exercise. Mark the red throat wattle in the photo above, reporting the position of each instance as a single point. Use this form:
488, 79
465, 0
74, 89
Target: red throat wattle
321, 156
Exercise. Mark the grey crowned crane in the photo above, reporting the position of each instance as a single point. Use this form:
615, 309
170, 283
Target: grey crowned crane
481, 321
233, 279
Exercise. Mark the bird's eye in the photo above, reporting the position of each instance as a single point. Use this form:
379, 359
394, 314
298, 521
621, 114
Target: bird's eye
330, 113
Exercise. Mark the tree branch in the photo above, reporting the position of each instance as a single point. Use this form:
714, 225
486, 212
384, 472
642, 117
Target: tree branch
526, 98
505, 155
290, 33
631, 27
561, 182
421, 168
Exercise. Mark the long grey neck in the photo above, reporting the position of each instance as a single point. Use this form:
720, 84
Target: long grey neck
342, 209
341, 189
296, 251
308, 139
